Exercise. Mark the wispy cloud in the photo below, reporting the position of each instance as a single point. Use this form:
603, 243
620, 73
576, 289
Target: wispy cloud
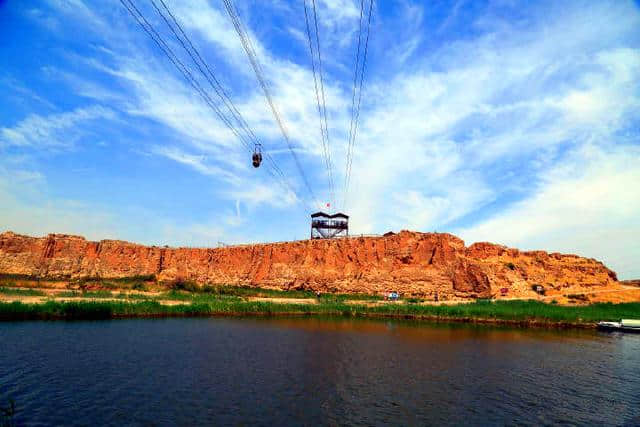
58, 130
13, 87
199, 163
587, 204
258, 194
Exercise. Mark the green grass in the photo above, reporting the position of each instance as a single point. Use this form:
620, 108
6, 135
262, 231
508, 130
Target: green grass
85, 294
245, 291
21, 292
122, 280
177, 295
248, 291
207, 293
197, 297
131, 282
517, 311
133, 296
140, 283
352, 297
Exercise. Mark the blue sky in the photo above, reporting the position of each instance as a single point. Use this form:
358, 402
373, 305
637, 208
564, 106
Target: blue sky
504, 121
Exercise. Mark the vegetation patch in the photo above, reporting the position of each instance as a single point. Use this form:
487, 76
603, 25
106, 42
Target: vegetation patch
207, 305
184, 285
133, 296
247, 291
94, 283
21, 292
139, 286
85, 294
30, 277
578, 297
120, 280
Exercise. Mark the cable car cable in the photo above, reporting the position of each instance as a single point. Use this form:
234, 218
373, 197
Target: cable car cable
357, 110
155, 36
215, 84
168, 52
324, 130
324, 102
353, 100
209, 76
250, 51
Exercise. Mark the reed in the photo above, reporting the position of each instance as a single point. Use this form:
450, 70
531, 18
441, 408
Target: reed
246, 291
515, 311
518, 310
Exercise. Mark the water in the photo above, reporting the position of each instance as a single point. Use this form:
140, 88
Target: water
313, 371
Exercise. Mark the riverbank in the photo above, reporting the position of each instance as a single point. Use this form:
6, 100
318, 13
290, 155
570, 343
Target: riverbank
517, 313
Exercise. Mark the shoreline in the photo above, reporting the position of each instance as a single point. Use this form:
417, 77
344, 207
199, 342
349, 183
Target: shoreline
532, 323
520, 314
525, 324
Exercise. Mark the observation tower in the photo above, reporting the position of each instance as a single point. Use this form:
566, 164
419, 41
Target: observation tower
325, 226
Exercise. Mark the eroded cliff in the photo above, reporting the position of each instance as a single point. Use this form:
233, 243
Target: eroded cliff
412, 263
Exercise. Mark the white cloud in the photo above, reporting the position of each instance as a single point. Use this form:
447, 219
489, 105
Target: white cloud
588, 205
82, 86
258, 193
199, 163
22, 93
59, 130
213, 25
77, 9
497, 109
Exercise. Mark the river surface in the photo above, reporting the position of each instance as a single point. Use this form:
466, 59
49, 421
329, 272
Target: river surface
218, 371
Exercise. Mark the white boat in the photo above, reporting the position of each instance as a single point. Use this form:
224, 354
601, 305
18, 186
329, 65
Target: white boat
625, 325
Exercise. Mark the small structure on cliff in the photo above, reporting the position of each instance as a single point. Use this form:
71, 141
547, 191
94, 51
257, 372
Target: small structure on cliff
325, 226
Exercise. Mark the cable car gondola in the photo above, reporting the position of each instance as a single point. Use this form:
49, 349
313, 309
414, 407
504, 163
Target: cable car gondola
257, 156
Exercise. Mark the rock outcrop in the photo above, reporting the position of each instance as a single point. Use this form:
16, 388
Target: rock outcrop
420, 264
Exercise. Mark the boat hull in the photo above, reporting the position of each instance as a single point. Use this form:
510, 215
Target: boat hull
612, 328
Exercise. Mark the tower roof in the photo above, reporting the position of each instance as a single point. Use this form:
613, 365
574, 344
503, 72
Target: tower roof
326, 215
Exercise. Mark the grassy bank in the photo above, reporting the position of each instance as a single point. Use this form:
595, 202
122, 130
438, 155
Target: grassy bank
21, 292
118, 288
514, 312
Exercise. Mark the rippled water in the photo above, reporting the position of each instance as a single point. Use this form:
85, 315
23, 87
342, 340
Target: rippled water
312, 371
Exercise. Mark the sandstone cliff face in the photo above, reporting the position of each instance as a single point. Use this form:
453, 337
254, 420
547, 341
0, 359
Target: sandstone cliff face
412, 263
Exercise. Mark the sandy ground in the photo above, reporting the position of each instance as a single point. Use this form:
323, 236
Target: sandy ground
627, 294
624, 293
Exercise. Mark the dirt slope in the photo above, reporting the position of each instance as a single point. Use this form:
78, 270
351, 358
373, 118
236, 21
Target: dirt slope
412, 263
